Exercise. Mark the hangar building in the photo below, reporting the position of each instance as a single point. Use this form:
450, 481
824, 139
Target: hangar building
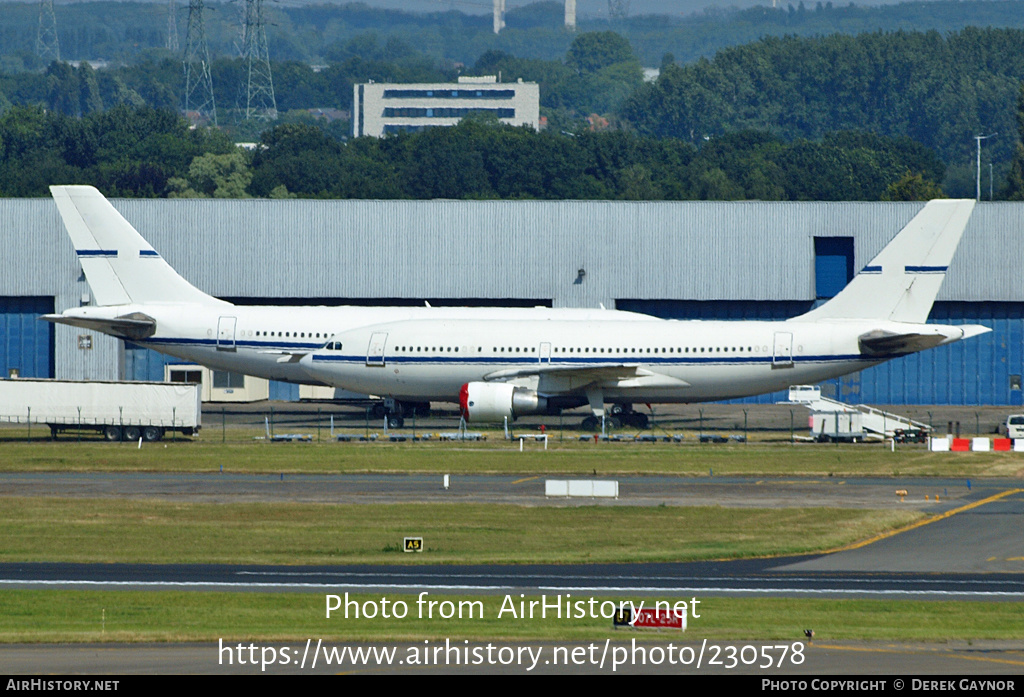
691, 260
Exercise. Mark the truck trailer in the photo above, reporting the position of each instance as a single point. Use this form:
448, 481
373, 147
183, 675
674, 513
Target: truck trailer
119, 410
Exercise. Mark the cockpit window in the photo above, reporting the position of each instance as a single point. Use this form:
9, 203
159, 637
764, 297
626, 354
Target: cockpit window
332, 346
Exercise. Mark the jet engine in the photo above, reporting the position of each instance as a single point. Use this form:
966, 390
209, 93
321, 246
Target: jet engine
493, 401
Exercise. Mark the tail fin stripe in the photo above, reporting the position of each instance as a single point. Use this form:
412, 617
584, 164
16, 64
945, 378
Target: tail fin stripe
148, 253
925, 269
96, 252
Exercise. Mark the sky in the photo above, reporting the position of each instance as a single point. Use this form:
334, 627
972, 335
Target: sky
584, 8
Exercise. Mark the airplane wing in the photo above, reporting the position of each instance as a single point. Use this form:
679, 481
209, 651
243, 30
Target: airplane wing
577, 377
135, 326
286, 356
607, 371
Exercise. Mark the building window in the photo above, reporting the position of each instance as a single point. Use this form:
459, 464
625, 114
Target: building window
451, 112
225, 380
188, 376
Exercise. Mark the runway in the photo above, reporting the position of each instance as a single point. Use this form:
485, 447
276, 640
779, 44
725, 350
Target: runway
968, 549
933, 495
981, 522
747, 578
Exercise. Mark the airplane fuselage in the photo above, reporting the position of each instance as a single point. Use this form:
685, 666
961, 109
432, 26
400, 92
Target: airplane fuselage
649, 361
267, 341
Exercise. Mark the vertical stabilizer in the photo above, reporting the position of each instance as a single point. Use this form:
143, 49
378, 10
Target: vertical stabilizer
901, 283
120, 266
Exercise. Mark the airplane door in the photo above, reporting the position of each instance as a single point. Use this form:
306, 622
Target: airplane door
226, 333
545, 352
782, 357
375, 351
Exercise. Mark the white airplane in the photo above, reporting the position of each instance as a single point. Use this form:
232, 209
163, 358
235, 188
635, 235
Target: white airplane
138, 297
499, 368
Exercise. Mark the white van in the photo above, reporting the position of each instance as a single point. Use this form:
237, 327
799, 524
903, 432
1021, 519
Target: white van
1015, 426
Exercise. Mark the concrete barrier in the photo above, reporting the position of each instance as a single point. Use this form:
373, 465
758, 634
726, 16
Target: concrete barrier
584, 488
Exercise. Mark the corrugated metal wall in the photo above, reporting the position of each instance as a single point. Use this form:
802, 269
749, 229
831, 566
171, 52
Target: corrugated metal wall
717, 309
976, 371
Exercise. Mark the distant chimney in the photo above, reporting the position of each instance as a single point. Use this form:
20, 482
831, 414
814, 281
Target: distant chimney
499, 15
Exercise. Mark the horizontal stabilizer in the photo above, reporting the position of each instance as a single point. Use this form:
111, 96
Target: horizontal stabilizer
135, 326
882, 343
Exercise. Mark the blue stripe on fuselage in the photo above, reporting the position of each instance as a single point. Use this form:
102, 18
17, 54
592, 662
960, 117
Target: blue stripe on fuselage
523, 360
527, 360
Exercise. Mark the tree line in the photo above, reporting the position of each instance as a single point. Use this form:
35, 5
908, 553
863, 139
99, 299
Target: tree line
799, 95
939, 90
146, 152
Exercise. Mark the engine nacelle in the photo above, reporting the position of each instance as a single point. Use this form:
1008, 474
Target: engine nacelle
494, 401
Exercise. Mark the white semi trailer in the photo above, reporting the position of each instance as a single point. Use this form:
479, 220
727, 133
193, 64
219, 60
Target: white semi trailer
119, 410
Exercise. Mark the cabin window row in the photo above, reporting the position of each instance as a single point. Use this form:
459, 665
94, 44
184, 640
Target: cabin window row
294, 335
671, 349
576, 350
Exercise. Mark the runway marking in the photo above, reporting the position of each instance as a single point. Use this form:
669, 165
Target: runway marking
412, 587
527, 479
948, 654
520, 580
926, 521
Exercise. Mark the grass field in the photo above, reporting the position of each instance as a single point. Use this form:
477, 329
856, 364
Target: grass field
168, 616
146, 530
499, 456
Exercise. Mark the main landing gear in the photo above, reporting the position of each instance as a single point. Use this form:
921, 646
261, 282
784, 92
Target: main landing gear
619, 415
396, 412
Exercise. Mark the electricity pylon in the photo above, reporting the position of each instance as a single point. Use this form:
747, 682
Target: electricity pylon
172, 27
198, 82
259, 88
47, 45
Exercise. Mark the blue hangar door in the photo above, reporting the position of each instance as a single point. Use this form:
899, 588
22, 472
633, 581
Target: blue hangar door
26, 342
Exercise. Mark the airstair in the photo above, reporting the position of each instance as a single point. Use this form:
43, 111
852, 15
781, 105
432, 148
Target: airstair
835, 420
